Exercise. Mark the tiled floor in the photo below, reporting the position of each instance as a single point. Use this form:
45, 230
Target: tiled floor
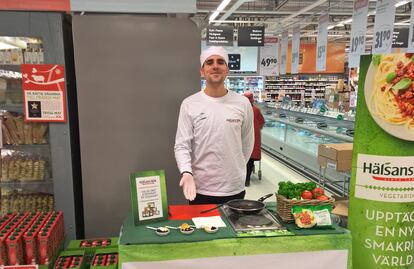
272, 173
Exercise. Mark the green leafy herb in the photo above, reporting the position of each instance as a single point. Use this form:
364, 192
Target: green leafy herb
403, 84
376, 59
390, 77
291, 190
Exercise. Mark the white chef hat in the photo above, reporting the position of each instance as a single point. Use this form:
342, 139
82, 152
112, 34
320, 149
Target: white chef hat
220, 51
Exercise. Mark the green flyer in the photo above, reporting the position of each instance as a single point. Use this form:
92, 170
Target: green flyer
148, 196
381, 215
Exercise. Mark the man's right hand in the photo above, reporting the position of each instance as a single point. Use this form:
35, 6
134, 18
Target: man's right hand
188, 185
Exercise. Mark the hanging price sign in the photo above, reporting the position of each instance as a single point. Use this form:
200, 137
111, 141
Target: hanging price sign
384, 26
283, 60
359, 28
295, 49
411, 34
269, 58
322, 42
268, 61
357, 42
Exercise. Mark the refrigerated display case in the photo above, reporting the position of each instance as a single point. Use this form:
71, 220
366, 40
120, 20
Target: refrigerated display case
38, 159
241, 84
294, 137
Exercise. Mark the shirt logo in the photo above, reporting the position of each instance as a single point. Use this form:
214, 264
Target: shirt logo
233, 120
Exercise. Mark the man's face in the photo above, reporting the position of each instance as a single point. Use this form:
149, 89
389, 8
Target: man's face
214, 70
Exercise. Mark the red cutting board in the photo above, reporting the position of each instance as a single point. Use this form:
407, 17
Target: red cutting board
187, 212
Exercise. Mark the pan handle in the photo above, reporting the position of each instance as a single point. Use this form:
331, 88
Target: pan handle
261, 199
211, 209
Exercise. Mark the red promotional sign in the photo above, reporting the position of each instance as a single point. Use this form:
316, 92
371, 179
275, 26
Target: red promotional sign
43, 5
44, 92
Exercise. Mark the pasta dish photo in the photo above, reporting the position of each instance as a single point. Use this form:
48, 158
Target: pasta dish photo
389, 93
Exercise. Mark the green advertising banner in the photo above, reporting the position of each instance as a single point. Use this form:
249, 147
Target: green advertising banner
381, 215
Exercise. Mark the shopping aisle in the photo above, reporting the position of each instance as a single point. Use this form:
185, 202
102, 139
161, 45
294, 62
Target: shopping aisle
272, 173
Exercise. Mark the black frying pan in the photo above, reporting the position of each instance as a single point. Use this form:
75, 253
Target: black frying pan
243, 206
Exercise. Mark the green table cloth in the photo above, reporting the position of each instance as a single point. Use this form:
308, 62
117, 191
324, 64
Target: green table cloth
207, 248
131, 234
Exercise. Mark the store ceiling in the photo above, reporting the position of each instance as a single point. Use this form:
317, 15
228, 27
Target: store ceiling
279, 15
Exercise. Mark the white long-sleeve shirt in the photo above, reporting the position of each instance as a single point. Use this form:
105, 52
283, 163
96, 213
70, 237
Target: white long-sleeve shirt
214, 141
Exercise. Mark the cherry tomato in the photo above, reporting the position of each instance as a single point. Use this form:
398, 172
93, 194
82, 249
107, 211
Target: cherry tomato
317, 192
323, 198
307, 195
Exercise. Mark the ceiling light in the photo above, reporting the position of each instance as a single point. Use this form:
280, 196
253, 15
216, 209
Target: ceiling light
221, 7
331, 27
5, 46
401, 3
214, 15
347, 21
331, 35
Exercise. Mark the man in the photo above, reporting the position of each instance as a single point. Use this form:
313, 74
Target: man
257, 149
214, 137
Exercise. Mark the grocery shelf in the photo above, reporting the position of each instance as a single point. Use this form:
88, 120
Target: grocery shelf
11, 67
44, 186
308, 86
25, 146
12, 107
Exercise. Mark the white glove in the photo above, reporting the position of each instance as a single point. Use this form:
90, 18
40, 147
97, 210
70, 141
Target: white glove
188, 184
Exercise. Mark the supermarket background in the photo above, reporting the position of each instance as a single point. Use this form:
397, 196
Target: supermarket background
129, 64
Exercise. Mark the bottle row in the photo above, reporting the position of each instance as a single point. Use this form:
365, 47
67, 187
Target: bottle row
14, 201
22, 166
33, 54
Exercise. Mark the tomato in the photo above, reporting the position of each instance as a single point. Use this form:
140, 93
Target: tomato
317, 192
307, 195
323, 197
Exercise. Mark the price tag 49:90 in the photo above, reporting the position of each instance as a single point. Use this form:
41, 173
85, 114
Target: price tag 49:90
268, 61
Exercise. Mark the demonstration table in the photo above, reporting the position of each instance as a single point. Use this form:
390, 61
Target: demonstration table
141, 248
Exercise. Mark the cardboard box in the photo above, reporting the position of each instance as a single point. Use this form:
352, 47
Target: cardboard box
338, 152
338, 165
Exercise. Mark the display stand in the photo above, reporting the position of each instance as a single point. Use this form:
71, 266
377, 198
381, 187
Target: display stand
326, 250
